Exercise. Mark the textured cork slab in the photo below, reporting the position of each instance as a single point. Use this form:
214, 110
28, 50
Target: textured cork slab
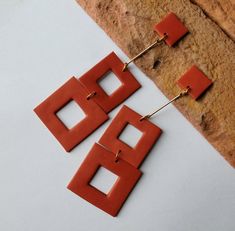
130, 24
222, 12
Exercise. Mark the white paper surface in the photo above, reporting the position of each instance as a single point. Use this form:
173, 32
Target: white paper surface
185, 186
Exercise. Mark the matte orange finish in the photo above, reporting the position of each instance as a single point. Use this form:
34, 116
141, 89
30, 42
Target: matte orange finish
127, 178
91, 78
71, 90
150, 134
95, 108
173, 27
196, 80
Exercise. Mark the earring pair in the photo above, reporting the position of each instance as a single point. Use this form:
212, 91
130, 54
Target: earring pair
110, 151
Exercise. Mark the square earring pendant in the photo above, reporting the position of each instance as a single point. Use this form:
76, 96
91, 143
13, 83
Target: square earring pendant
172, 27
135, 155
71, 90
91, 79
92, 99
111, 202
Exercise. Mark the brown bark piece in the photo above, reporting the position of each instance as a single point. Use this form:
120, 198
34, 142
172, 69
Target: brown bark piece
130, 24
222, 12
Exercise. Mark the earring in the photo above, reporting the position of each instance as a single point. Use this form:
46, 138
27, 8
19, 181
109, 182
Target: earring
122, 160
119, 158
92, 99
194, 83
170, 30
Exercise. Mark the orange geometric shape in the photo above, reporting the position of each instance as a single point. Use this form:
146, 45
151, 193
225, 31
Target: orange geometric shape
91, 78
71, 90
136, 155
127, 178
196, 81
172, 27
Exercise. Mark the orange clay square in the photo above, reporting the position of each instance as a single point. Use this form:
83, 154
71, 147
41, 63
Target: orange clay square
128, 82
172, 27
71, 90
112, 202
136, 155
196, 81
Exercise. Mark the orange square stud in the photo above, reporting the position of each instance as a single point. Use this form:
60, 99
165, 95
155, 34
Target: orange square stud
196, 81
172, 27
133, 155
91, 81
112, 202
71, 90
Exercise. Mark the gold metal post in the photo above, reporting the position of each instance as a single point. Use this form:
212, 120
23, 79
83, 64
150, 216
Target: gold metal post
182, 93
92, 94
117, 155
159, 41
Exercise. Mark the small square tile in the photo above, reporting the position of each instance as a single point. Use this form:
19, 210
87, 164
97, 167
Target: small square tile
196, 80
173, 27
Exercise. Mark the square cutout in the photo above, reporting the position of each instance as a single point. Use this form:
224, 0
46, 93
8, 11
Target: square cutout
136, 155
71, 114
71, 90
103, 180
111, 63
196, 80
172, 27
110, 83
130, 135
127, 179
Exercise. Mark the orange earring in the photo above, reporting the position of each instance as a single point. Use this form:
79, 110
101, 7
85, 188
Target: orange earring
194, 83
92, 99
119, 158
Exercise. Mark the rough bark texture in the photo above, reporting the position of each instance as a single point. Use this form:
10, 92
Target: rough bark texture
222, 12
129, 23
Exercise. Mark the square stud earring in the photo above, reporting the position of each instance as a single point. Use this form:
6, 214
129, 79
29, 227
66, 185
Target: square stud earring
170, 30
92, 99
194, 83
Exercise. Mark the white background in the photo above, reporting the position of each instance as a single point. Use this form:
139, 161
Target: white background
186, 184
